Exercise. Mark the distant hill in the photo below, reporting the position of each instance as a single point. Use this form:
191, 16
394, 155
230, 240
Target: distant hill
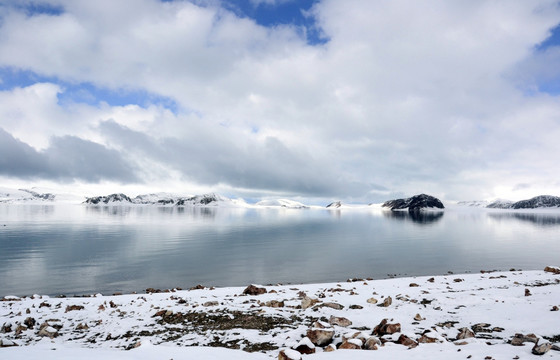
414, 203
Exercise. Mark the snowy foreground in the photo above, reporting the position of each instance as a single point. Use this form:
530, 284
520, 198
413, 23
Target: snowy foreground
445, 317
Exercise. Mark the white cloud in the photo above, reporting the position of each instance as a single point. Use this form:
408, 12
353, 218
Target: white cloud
410, 96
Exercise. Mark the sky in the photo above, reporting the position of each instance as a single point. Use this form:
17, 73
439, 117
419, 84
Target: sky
360, 101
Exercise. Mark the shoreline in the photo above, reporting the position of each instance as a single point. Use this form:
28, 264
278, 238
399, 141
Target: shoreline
432, 313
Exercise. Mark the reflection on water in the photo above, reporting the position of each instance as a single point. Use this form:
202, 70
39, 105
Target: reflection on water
89, 249
418, 217
536, 219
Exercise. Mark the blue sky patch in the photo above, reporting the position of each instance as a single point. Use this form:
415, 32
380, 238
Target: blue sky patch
85, 92
552, 40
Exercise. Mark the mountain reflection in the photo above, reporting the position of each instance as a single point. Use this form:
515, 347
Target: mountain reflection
418, 217
536, 219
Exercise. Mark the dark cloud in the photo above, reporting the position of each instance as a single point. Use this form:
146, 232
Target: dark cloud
212, 158
67, 158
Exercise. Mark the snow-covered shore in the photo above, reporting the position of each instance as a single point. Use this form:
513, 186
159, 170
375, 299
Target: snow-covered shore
199, 323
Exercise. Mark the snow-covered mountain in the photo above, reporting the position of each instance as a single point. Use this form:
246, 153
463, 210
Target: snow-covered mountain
24, 196
162, 199
108, 199
474, 203
500, 204
285, 203
538, 202
414, 203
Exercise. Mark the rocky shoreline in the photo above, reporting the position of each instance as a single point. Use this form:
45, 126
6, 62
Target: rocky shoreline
472, 312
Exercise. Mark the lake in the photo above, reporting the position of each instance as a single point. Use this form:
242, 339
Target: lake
78, 249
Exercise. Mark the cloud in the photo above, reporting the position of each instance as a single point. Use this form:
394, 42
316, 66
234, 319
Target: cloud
449, 101
68, 158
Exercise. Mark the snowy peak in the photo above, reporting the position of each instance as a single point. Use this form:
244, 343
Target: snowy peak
24, 196
474, 203
109, 199
203, 200
542, 201
285, 203
414, 203
500, 204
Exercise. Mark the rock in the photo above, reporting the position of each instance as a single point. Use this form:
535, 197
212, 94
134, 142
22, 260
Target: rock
383, 328
7, 343
353, 335
424, 339
372, 301
320, 337
356, 307
48, 331
413, 285
113, 198
289, 354
414, 203
340, 321
418, 317
387, 302
481, 327
321, 325
308, 302
372, 343
6, 328
541, 349
542, 201
554, 308
520, 339
29, 322
305, 346
431, 280
82, 327
254, 290
73, 308
333, 305
552, 269
274, 304
329, 348
352, 344
20, 329
527, 292
406, 341
465, 333
210, 303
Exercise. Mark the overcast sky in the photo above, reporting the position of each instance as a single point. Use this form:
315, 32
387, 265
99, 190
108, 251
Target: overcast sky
356, 100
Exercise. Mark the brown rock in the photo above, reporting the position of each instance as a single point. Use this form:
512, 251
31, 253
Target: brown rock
74, 308
520, 339
465, 333
333, 305
352, 344
329, 348
372, 343
308, 302
340, 321
424, 339
372, 301
82, 327
554, 308
552, 269
7, 343
383, 328
254, 290
413, 285
320, 337
48, 331
418, 317
29, 322
431, 280
387, 302
20, 329
289, 354
527, 292
541, 349
406, 341
305, 346
210, 303
274, 304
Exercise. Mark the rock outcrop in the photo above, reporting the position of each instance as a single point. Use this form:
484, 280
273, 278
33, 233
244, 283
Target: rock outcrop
542, 201
113, 198
414, 203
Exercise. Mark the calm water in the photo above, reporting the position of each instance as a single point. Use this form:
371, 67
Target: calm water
75, 249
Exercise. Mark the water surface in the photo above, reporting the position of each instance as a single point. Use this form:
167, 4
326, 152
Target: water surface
77, 249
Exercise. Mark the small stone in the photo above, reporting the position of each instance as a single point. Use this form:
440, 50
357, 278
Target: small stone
210, 303
274, 304
418, 317
333, 305
254, 290
289, 354
554, 308
29, 322
82, 327
527, 292
541, 349
7, 343
329, 348
431, 280
356, 307
372, 301
387, 302
465, 333
406, 341
48, 331
427, 340
20, 329
320, 337
457, 280
413, 285
383, 328
74, 308
6, 328
340, 321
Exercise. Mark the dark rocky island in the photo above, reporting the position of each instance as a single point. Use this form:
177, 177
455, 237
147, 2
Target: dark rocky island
542, 201
122, 198
414, 203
